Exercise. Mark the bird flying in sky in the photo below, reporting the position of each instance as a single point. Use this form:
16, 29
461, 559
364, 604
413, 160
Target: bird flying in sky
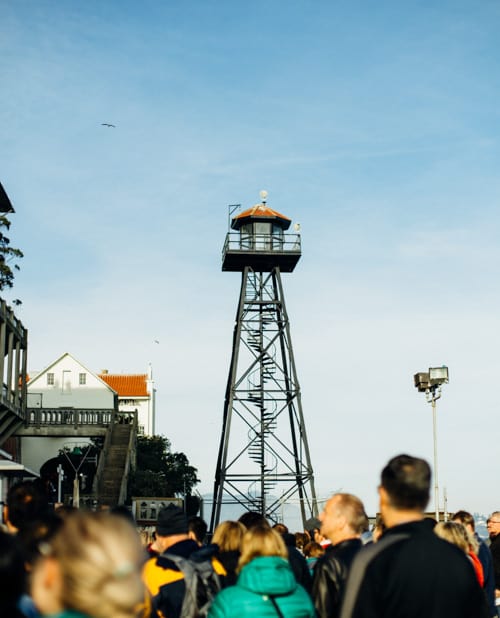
107, 124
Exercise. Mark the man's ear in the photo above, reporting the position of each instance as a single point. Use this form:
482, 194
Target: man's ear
383, 497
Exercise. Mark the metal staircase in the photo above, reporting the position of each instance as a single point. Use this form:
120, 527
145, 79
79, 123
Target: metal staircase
263, 399
115, 462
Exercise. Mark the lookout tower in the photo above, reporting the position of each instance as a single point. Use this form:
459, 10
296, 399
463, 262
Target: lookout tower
264, 458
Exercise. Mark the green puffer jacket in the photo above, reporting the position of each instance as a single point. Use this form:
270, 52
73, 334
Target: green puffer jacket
259, 580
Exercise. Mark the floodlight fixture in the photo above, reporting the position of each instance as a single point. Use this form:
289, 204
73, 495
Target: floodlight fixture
438, 375
422, 381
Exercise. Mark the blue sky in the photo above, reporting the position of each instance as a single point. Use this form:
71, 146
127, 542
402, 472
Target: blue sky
376, 126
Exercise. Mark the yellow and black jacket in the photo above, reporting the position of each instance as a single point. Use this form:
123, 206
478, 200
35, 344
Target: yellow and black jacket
165, 583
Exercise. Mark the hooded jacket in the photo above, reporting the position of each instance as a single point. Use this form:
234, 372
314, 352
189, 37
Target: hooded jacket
261, 581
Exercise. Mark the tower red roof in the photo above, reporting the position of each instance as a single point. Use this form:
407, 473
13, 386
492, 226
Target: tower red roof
261, 210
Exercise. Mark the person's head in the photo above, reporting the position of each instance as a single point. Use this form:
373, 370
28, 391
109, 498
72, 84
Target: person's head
379, 528
197, 529
312, 526
251, 518
493, 524
229, 535
92, 565
313, 550
281, 528
343, 518
32, 535
301, 540
26, 502
12, 574
465, 518
404, 488
261, 541
171, 527
455, 533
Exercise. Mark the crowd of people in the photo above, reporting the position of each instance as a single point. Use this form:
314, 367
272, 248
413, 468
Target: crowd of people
68, 563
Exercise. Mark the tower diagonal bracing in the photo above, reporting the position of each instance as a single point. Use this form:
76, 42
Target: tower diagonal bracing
264, 457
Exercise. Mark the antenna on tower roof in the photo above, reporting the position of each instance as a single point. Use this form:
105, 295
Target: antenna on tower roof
231, 208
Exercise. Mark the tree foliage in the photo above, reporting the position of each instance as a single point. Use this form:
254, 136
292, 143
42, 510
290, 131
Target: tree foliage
7, 255
159, 472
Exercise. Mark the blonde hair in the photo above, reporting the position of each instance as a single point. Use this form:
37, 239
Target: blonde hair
456, 533
261, 541
100, 558
228, 535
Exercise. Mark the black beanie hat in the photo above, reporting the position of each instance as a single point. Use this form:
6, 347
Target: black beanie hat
171, 520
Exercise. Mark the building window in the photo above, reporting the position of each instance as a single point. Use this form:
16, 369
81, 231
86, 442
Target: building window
50, 379
82, 379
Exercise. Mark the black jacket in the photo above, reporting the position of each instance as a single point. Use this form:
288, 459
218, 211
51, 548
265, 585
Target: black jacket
411, 572
330, 574
495, 553
298, 563
229, 560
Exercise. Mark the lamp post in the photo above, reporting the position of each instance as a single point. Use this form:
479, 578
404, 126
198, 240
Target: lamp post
430, 383
78, 449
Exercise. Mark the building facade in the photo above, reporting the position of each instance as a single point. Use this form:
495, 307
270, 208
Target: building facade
136, 392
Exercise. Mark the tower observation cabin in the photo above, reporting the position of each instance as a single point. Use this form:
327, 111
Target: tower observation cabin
263, 462
260, 241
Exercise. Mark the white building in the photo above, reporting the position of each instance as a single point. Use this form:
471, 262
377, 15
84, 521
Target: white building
59, 391
135, 392
67, 388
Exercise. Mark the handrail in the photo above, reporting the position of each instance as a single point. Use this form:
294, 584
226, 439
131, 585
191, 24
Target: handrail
263, 243
118, 418
130, 461
103, 455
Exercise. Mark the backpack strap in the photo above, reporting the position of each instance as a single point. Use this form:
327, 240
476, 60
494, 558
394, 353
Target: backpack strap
358, 570
276, 607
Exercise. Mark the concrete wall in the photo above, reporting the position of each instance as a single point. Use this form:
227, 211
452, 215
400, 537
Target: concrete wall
36, 451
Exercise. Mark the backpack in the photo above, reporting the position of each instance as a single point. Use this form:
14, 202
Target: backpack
201, 581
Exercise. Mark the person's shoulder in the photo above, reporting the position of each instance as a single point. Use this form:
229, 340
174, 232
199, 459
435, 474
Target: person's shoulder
157, 572
327, 560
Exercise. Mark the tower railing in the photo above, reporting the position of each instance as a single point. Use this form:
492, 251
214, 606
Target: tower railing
235, 241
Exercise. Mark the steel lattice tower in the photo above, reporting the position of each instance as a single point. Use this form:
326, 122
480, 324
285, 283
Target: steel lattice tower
263, 456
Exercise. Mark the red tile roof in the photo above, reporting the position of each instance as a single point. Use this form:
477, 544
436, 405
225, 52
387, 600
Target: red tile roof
261, 210
130, 385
